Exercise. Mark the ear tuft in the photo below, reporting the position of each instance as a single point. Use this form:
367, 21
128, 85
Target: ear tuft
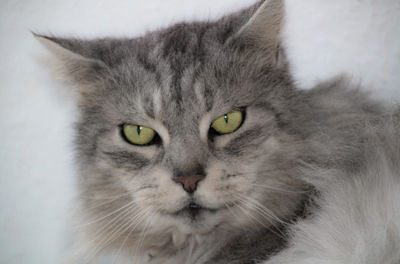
264, 27
70, 64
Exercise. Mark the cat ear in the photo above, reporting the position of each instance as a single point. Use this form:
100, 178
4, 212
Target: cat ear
264, 27
73, 59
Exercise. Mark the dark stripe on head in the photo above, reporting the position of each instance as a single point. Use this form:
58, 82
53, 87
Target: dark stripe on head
148, 65
253, 136
128, 160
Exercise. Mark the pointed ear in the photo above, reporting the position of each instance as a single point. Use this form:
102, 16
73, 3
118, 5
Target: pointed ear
73, 60
263, 29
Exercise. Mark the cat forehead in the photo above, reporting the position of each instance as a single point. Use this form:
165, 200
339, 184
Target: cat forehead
170, 96
174, 55
181, 68
186, 69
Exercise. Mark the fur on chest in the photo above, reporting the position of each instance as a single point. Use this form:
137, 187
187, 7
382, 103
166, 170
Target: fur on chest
176, 247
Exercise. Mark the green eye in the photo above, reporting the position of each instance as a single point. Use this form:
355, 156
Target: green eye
138, 135
228, 123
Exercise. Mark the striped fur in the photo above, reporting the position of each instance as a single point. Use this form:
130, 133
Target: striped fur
177, 80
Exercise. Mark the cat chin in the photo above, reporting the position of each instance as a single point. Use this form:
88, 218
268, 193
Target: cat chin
190, 223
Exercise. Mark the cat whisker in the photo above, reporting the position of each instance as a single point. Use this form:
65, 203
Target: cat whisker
129, 234
94, 205
248, 214
106, 216
265, 216
134, 223
141, 238
257, 172
113, 227
263, 209
277, 189
113, 199
114, 223
110, 214
128, 192
235, 217
119, 230
94, 198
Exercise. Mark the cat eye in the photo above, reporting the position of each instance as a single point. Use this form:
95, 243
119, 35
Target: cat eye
228, 123
138, 135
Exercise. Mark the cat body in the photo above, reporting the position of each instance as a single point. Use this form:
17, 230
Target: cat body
194, 194
356, 217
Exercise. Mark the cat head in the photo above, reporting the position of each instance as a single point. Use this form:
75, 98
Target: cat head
183, 129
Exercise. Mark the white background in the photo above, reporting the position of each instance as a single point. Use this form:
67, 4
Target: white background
324, 38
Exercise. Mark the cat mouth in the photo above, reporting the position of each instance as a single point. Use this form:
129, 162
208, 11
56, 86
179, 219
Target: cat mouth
193, 210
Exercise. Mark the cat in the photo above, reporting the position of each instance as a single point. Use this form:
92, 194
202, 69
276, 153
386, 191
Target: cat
195, 146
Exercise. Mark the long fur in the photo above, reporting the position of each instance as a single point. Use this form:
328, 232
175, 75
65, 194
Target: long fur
356, 216
305, 174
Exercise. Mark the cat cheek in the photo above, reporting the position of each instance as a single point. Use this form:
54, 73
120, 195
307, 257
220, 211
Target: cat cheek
223, 141
211, 191
167, 196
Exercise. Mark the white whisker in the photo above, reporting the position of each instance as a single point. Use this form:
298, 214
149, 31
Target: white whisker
119, 230
107, 215
142, 235
252, 208
130, 232
272, 188
262, 208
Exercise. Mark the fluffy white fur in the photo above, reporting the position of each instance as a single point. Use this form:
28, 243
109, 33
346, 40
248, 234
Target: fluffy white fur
358, 216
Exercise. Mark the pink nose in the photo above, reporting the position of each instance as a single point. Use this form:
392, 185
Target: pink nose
189, 183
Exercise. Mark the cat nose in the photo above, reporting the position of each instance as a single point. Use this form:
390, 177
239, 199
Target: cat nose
189, 183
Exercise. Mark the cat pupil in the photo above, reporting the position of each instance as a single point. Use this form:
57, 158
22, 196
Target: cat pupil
139, 130
226, 118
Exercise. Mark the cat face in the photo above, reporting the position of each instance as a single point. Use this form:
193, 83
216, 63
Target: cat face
180, 107
151, 152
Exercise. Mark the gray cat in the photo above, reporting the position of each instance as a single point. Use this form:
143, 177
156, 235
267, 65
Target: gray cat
194, 145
